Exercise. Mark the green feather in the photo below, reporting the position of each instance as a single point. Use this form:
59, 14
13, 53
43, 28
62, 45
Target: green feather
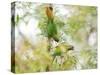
52, 30
57, 51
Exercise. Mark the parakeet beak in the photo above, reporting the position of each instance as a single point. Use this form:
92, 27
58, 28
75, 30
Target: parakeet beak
71, 48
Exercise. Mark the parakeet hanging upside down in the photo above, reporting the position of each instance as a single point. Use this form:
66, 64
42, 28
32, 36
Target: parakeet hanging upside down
52, 30
62, 48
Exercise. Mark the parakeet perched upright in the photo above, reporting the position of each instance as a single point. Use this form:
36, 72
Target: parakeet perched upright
52, 30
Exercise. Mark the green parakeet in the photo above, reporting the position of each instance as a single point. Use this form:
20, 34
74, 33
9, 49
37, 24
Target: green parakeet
52, 30
62, 48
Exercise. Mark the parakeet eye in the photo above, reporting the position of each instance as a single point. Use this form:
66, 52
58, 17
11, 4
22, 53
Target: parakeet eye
71, 48
51, 8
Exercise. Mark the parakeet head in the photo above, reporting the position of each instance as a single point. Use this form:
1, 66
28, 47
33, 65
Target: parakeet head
62, 48
49, 11
65, 47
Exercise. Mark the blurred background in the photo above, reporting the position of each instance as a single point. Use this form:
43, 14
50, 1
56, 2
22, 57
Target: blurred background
76, 27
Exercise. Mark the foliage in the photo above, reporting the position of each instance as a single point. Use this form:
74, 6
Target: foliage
74, 52
78, 21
